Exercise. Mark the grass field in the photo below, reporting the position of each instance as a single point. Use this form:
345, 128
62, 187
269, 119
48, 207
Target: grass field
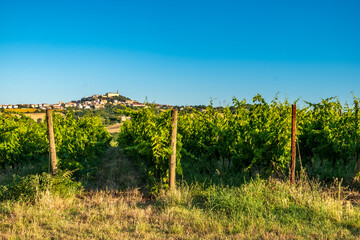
114, 207
22, 110
258, 210
115, 128
34, 115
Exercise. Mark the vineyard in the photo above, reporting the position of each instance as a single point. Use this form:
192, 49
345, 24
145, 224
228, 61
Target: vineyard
227, 146
244, 142
232, 172
24, 142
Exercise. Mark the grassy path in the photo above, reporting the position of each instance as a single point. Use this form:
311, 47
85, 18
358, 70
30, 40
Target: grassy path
116, 172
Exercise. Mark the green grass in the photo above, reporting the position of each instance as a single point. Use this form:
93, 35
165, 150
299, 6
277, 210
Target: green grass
259, 209
113, 207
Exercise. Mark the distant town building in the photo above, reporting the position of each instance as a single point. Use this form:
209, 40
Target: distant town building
129, 102
99, 106
57, 106
124, 118
70, 104
94, 101
138, 104
110, 95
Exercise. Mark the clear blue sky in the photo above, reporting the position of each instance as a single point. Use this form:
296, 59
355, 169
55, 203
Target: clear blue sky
179, 52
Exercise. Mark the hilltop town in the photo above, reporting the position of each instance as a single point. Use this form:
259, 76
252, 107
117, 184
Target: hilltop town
91, 102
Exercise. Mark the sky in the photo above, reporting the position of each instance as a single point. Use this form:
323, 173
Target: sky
179, 52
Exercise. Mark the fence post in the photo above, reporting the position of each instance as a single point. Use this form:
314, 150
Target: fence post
356, 139
52, 149
172, 163
293, 146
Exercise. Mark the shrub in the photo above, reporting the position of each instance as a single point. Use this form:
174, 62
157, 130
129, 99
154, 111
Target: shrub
30, 187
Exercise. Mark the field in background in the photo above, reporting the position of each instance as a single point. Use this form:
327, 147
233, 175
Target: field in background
23, 110
36, 116
32, 113
115, 128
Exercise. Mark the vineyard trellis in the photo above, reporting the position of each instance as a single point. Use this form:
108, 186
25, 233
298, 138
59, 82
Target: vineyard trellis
79, 142
245, 140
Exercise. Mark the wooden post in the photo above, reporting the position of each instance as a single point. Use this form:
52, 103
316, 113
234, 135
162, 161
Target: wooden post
356, 138
52, 149
293, 146
172, 163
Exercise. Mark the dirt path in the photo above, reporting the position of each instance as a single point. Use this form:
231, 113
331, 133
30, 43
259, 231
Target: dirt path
116, 172
115, 128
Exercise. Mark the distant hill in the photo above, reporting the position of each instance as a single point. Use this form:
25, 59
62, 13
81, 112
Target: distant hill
107, 96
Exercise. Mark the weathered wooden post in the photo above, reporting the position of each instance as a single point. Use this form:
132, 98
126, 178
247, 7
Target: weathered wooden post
293, 146
52, 149
356, 139
172, 163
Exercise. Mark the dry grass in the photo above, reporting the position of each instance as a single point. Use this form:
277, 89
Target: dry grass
95, 216
22, 110
34, 115
115, 128
100, 216
104, 216
116, 209
257, 210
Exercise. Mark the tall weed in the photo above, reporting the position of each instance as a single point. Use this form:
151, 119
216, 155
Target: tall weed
30, 187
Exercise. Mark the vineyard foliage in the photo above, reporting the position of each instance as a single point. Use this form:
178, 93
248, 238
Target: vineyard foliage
329, 138
147, 137
243, 140
78, 141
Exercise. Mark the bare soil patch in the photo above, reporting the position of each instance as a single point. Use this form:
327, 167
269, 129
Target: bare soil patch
114, 128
